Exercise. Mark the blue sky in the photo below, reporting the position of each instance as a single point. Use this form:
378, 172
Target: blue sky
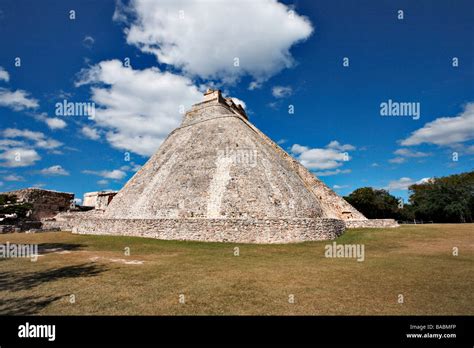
177, 49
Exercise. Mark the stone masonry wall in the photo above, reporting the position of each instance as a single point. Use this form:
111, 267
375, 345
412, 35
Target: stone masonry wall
211, 230
371, 223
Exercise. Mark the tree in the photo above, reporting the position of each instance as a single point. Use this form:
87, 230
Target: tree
374, 203
445, 199
9, 205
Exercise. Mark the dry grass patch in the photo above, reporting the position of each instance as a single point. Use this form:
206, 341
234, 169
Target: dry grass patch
415, 261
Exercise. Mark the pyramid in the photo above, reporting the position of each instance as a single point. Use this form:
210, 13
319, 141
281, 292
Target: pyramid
218, 178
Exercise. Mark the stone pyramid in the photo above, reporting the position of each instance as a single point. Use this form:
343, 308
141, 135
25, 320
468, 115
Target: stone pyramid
218, 178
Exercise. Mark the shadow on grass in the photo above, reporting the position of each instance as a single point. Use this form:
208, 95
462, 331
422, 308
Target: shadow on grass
25, 281
11, 282
46, 248
26, 305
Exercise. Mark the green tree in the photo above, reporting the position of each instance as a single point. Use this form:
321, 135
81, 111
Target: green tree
374, 203
446, 199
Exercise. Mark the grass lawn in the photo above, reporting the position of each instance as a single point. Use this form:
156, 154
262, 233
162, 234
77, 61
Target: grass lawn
415, 261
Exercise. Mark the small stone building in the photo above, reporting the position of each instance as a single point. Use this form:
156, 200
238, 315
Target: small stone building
98, 200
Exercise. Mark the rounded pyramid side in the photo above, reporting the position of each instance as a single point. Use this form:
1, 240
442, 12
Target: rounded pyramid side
216, 165
332, 204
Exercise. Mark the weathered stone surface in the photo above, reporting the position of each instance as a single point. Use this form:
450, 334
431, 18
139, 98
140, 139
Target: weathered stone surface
98, 200
45, 203
217, 230
371, 223
218, 178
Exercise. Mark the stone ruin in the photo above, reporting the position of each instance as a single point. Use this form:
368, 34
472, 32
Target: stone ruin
218, 178
44, 204
98, 200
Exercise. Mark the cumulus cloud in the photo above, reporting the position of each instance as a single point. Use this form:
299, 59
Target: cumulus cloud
282, 91
445, 131
18, 157
90, 133
330, 157
404, 183
17, 100
137, 108
409, 153
204, 38
338, 146
237, 101
55, 123
55, 170
4, 76
19, 147
115, 174
39, 139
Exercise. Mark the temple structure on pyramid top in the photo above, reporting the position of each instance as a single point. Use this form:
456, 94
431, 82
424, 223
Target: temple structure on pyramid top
218, 178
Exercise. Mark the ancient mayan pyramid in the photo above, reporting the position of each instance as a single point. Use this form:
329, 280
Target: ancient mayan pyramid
218, 178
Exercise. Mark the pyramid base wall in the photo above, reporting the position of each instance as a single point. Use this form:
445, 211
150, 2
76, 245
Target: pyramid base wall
371, 223
214, 230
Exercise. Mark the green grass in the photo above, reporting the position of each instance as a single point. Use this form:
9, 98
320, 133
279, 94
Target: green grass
415, 261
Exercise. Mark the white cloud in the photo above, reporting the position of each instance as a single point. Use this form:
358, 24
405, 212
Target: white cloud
138, 108
204, 37
404, 183
281, 91
13, 177
255, 85
400, 184
338, 187
55, 123
7, 143
23, 133
78, 201
424, 180
39, 139
329, 157
445, 131
237, 101
332, 172
4, 75
338, 146
103, 182
90, 133
55, 170
115, 174
18, 157
409, 153
17, 100
397, 160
